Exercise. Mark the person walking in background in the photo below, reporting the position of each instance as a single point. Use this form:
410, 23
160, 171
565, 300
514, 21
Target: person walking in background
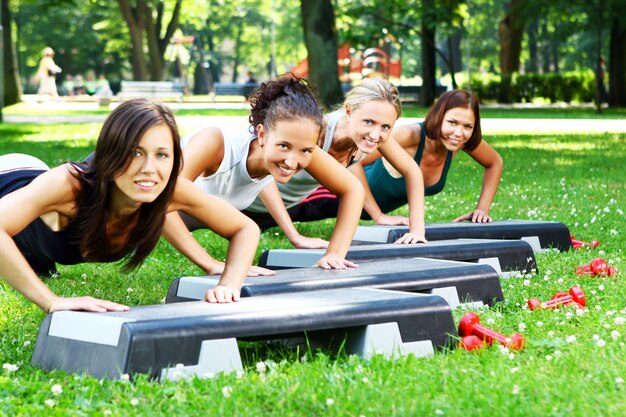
46, 75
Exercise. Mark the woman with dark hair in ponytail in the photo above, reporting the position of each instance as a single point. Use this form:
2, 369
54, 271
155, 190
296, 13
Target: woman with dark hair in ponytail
285, 127
111, 207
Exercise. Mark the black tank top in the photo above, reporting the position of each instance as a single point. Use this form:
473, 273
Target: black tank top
40, 245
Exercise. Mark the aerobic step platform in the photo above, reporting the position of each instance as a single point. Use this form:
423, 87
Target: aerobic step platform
198, 338
456, 282
503, 255
540, 235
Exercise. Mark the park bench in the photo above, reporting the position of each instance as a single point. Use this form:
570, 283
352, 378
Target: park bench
411, 93
152, 89
234, 89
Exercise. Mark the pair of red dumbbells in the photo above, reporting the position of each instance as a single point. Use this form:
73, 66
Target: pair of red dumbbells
577, 244
597, 267
575, 298
476, 336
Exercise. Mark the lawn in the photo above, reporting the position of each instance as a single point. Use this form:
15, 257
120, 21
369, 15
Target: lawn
573, 363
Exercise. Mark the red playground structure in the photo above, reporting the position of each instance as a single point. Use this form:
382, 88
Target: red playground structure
373, 62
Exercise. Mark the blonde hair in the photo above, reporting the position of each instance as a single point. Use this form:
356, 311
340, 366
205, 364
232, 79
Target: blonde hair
371, 89
47, 51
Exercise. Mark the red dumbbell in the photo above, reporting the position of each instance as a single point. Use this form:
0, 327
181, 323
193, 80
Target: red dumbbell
471, 343
470, 326
577, 244
597, 267
575, 297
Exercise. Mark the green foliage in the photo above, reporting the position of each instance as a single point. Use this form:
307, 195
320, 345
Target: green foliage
572, 86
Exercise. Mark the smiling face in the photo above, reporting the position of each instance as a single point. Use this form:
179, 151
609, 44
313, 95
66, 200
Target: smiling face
149, 169
370, 124
457, 128
288, 147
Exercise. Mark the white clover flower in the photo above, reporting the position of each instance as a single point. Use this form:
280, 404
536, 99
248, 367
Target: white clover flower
226, 391
569, 315
570, 339
615, 335
619, 321
365, 380
548, 357
107, 412
9, 367
580, 311
601, 287
490, 321
134, 402
330, 401
515, 390
261, 367
49, 402
521, 327
439, 412
239, 374
129, 289
539, 323
124, 377
526, 282
551, 333
595, 337
56, 389
514, 369
27, 343
600, 343
619, 380
557, 353
560, 280
598, 307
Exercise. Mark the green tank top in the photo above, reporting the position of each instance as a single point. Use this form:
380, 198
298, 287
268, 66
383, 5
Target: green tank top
389, 192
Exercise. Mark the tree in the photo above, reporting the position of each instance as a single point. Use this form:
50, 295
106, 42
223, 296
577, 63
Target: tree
12, 87
510, 33
617, 59
427, 94
320, 38
142, 21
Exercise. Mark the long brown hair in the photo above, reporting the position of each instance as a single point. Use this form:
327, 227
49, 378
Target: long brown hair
120, 135
451, 100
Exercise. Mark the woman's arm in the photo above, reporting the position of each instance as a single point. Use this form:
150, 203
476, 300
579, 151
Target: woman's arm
51, 191
274, 203
228, 222
405, 165
332, 175
175, 232
203, 154
486, 156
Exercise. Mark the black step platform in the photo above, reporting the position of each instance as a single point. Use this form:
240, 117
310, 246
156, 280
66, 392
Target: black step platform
456, 282
198, 338
503, 255
541, 235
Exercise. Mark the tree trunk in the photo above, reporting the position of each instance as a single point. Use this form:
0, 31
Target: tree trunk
427, 36
140, 21
532, 65
135, 24
320, 38
617, 64
12, 85
510, 34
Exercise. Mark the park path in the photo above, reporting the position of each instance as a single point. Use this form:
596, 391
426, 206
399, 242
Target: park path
190, 123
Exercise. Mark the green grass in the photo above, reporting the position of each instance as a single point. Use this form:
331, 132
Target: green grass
573, 365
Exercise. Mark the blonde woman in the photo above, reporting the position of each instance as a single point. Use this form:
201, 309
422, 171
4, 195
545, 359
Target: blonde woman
360, 127
46, 74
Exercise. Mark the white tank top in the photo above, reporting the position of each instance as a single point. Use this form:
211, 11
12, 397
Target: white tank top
232, 181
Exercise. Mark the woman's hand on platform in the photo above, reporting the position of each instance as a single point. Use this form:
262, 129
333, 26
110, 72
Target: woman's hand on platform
385, 220
222, 294
335, 262
303, 242
476, 216
409, 238
85, 304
